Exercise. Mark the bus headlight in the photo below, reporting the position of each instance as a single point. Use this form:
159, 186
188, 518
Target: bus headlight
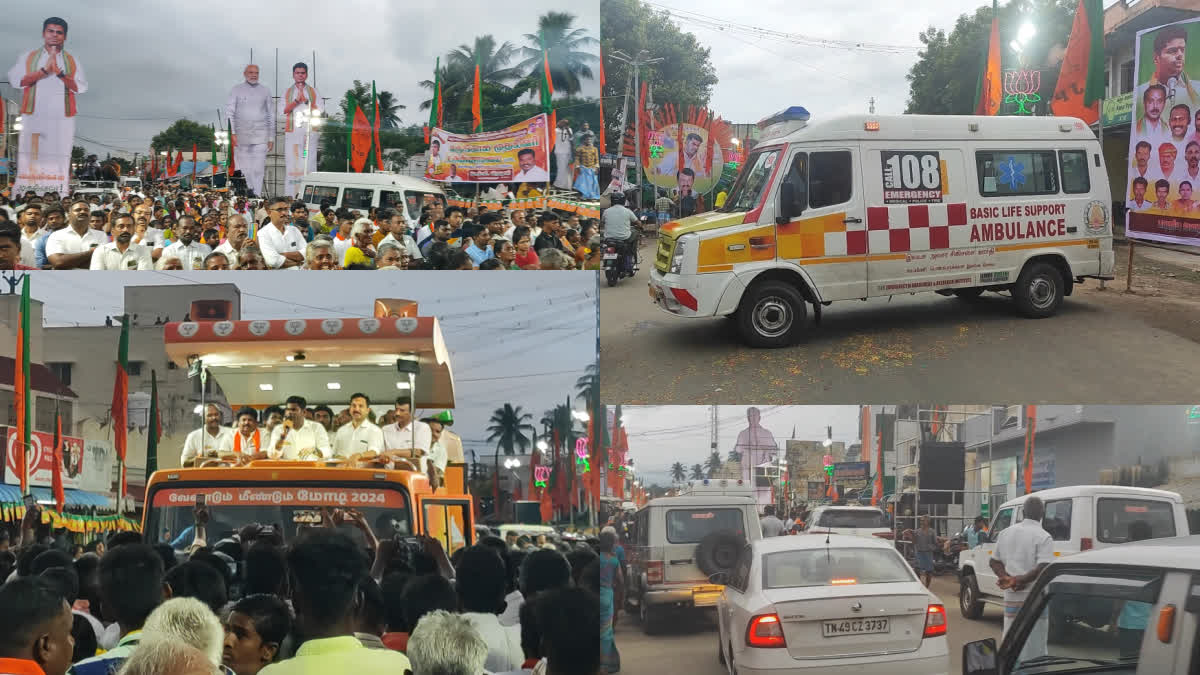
680, 252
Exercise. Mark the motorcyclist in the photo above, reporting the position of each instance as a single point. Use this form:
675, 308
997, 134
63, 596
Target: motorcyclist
619, 224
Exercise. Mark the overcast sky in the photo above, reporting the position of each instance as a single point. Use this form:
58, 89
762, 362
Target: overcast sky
760, 74
521, 338
150, 63
659, 436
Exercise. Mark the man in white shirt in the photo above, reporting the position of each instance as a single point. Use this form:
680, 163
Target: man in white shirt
408, 434
530, 171
481, 582
153, 239
121, 253
30, 216
188, 249
296, 437
282, 244
236, 236
771, 526
208, 440
397, 229
72, 246
438, 456
247, 439
359, 434
1022, 551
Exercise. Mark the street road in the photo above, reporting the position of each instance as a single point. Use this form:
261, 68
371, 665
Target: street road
690, 646
1103, 346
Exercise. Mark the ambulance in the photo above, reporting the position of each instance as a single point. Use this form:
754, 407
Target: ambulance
859, 207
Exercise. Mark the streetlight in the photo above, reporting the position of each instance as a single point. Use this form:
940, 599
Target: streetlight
541, 445
828, 437
512, 463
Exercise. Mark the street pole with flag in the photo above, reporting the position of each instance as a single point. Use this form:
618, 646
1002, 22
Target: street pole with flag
154, 429
229, 163
603, 81
435, 104
21, 381
1030, 434
193, 164
120, 408
877, 493
56, 482
990, 91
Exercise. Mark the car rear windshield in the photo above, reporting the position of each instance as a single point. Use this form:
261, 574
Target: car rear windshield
864, 518
834, 567
1118, 520
689, 526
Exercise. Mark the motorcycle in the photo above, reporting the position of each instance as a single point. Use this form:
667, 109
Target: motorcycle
619, 262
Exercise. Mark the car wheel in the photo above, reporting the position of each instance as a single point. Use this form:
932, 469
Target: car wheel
1039, 291
968, 598
649, 618
968, 293
771, 315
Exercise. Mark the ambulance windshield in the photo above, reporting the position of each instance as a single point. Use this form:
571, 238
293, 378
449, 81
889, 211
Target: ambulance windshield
753, 181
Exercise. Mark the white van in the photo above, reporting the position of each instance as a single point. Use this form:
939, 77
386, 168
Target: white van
1078, 518
363, 190
678, 543
859, 521
871, 206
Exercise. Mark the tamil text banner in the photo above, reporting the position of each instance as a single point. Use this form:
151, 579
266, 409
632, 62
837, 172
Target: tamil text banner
41, 459
518, 154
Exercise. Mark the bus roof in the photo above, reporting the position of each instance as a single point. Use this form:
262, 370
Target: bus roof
372, 179
928, 127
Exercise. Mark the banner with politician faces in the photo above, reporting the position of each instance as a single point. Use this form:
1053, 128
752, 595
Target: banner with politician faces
1163, 188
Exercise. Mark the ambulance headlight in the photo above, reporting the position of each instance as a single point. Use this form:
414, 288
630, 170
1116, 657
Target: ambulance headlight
680, 252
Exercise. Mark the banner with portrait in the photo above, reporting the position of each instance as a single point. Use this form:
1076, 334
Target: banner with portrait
1164, 140
683, 157
518, 154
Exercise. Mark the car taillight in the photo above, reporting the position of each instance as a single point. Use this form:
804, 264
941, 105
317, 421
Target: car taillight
885, 535
935, 621
765, 631
1085, 544
654, 572
611, 249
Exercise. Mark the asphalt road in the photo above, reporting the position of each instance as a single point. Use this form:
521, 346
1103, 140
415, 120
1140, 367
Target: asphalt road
1103, 347
691, 645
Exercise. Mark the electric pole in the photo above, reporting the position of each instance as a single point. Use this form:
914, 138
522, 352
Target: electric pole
636, 63
872, 104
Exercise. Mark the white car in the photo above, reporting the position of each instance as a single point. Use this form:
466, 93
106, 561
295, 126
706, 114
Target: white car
829, 604
862, 521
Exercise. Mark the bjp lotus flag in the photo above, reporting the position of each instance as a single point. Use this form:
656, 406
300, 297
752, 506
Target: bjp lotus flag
476, 105
1081, 78
359, 136
990, 91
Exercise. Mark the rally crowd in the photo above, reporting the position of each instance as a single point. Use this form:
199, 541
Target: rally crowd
203, 230
320, 603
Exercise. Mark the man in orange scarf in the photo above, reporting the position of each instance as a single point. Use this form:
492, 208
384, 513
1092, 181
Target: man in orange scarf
49, 78
247, 439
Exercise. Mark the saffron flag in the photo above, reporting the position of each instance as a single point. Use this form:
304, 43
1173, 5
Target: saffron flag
548, 99
229, 163
56, 466
990, 93
120, 405
1030, 434
476, 113
193, 162
877, 493
1081, 78
375, 149
154, 432
212, 147
358, 140
603, 81
21, 381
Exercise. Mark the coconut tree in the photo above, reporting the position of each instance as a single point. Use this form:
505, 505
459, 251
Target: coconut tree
713, 464
678, 472
389, 108
697, 472
735, 456
587, 386
509, 426
570, 64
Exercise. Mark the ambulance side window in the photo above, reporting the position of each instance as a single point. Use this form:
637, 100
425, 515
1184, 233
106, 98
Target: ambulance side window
831, 179
1075, 178
1004, 173
797, 177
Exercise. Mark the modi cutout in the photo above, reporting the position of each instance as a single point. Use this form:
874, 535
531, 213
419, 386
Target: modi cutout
252, 113
299, 106
50, 79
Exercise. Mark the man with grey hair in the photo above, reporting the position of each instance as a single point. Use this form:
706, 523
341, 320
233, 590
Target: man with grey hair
236, 238
320, 254
554, 259
1022, 551
166, 656
189, 621
446, 644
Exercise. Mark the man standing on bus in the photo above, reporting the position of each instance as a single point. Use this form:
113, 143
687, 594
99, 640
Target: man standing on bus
359, 434
408, 434
296, 437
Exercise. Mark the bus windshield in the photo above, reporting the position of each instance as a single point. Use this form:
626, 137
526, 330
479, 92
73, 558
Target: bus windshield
286, 509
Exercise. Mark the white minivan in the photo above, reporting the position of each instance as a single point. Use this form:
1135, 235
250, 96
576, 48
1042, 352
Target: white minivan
1078, 518
869, 206
364, 190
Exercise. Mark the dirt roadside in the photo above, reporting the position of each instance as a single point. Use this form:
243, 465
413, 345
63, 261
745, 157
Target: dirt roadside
1165, 293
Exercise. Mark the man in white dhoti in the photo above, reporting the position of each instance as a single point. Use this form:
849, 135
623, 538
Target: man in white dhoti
300, 140
49, 78
253, 115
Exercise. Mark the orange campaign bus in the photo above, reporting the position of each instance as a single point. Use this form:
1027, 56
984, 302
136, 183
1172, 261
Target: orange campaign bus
259, 364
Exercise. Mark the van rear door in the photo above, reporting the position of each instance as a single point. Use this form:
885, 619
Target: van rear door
1121, 518
685, 528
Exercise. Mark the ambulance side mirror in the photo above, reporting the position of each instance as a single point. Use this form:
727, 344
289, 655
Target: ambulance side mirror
787, 204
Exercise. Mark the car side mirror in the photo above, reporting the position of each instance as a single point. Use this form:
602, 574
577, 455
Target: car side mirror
720, 578
980, 658
787, 203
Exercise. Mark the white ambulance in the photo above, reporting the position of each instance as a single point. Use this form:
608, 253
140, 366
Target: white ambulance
870, 206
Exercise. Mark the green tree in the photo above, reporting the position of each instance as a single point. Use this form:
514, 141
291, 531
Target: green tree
697, 472
509, 426
713, 464
735, 456
181, 135
78, 153
678, 472
684, 77
945, 78
569, 63
333, 140
586, 387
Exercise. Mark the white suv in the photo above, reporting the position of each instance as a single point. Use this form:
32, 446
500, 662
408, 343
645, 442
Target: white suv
1079, 518
678, 543
862, 521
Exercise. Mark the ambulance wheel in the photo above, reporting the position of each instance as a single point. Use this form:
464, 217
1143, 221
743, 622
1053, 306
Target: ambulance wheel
772, 314
1038, 291
968, 293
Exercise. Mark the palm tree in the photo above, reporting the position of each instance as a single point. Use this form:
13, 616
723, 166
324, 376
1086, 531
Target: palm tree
713, 464
569, 64
735, 456
588, 384
510, 428
678, 472
493, 60
388, 107
697, 472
